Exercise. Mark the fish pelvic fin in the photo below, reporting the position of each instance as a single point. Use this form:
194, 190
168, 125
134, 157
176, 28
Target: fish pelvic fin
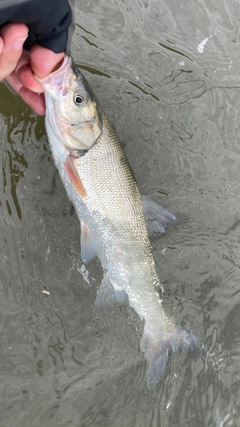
88, 245
108, 295
156, 351
74, 177
158, 219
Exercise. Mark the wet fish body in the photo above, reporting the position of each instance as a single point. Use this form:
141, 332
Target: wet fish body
100, 184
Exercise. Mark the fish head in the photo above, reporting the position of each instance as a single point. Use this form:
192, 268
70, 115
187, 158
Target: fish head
72, 110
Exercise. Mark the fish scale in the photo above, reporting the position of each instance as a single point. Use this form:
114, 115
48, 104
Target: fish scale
113, 197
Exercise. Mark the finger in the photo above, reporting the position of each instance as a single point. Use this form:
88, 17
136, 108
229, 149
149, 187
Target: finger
13, 37
13, 80
25, 74
44, 61
34, 100
1, 45
26, 77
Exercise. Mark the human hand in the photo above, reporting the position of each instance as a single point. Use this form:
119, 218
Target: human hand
18, 66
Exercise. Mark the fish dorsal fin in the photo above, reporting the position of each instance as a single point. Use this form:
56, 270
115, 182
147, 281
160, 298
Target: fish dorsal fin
88, 246
158, 219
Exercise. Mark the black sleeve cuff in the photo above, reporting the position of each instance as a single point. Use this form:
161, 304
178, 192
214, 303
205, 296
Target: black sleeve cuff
48, 21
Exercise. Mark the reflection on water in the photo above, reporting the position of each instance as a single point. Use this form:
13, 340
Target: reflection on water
63, 361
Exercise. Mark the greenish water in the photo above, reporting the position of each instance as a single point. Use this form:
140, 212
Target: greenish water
174, 101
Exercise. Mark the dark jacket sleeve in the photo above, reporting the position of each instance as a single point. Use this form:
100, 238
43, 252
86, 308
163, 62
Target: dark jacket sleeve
50, 22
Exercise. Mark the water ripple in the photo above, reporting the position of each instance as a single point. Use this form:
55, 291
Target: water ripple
175, 109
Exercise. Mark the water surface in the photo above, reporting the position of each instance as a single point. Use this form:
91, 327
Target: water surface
168, 75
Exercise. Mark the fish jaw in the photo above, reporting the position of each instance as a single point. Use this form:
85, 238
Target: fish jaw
58, 82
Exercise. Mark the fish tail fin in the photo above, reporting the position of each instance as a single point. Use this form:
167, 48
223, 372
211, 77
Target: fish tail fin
157, 350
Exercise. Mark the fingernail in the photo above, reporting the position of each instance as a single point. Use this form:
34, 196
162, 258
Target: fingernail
18, 43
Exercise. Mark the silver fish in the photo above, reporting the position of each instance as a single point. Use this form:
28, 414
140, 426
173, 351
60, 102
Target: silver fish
100, 184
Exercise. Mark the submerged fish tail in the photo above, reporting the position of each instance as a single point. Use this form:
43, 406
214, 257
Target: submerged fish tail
157, 349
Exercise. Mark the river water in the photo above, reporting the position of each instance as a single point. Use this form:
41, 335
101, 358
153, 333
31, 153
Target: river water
168, 75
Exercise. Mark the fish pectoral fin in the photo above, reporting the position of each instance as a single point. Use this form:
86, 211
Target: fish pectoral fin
74, 177
158, 219
88, 246
109, 294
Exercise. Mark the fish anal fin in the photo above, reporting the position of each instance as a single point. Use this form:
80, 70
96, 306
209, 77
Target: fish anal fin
109, 294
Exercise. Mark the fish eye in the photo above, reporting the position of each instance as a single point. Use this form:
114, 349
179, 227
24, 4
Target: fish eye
78, 99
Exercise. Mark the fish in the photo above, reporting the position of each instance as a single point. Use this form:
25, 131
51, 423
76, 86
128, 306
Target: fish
117, 223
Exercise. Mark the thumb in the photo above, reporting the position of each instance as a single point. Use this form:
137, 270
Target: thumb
44, 61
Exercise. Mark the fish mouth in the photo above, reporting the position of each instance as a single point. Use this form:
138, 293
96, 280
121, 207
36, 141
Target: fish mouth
67, 60
58, 78
65, 63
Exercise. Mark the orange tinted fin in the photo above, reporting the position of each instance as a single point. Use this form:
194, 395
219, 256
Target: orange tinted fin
74, 177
